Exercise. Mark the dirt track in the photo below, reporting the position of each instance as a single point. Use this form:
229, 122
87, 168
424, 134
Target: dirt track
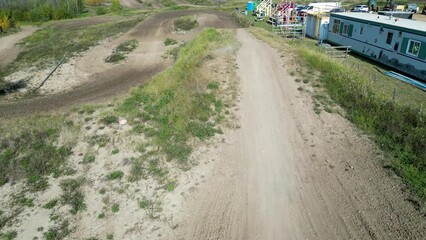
105, 81
289, 173
8, 49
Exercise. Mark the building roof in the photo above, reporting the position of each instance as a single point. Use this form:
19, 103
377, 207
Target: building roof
410, 25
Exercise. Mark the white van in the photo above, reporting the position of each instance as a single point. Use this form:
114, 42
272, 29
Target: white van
320, 7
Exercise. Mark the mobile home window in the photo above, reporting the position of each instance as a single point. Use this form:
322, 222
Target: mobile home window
413, 47
345, 29
361, 30
389, 38
336, 26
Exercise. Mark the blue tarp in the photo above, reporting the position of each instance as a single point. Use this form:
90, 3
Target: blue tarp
406, 79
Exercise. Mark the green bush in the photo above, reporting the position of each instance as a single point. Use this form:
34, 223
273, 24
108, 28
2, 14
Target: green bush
169, 42
186, 23
101, 11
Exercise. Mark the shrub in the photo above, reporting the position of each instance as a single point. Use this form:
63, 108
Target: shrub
115, 5
186, 23
169, 42
101, 11
72, 194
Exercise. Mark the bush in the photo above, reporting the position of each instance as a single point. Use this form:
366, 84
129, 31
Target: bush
186, 23
101, 11
115, 5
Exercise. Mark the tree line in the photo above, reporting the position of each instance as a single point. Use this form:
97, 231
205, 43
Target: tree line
12, 11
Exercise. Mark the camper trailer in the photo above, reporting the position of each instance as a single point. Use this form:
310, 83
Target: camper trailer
395, 42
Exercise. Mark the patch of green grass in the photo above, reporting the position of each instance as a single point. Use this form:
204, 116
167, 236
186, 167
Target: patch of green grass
115, 175
100, 140
168, 3
145, 203
120, 53
51, 204
137, 171
213, 85
115, 151
58, 232
200, 2
101, 215
242, 20
115, 207
174, 103
170, 186
9, 235
115, 57
29, 149
110, 237
185, 23
169, 41
109, 119
88, 158
72, 194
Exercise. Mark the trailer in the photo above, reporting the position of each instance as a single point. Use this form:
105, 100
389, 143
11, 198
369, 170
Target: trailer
395, 42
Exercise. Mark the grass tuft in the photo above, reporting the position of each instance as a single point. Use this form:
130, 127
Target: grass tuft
72, 194
169, 42
116, 175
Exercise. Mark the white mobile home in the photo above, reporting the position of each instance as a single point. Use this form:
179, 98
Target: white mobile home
398, 43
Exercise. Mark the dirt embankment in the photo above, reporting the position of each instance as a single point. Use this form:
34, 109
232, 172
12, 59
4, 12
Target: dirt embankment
289, 173
96, 81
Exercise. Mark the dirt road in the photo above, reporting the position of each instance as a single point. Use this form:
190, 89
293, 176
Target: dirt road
289, 173
106, 80
8, 49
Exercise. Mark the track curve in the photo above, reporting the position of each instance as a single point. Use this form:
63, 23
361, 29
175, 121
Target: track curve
116, 80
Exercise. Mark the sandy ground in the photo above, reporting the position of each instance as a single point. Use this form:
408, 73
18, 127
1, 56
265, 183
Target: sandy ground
289, 173
8, 48
89, 79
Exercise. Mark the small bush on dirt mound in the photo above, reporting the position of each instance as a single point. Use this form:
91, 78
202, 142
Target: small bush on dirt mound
101, 11
120, 52
169, 42
186, 23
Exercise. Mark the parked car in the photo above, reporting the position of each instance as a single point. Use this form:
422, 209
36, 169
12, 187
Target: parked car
360, 8
337, 10
411, 8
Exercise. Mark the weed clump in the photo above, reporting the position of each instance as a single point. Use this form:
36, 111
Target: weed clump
120, 53
72, 194
116, 175
186, 23
169, 41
